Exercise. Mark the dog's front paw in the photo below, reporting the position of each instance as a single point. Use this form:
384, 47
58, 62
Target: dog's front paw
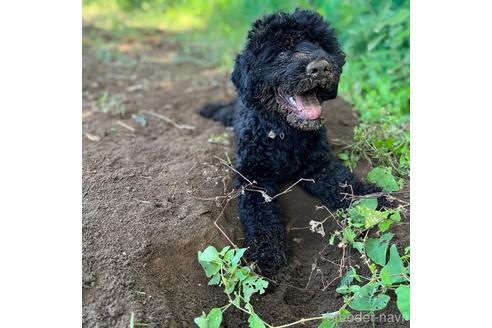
367, 188
269, 255
383, 203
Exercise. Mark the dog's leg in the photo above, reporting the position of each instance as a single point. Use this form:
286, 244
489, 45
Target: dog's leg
332, 179
263, 230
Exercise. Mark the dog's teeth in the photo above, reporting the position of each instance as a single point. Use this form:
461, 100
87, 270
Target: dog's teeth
291, 100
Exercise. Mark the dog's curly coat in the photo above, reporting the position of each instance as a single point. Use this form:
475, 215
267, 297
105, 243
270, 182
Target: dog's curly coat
290, 64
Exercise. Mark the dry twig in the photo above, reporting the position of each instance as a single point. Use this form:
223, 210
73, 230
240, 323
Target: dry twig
126, 126
168, 120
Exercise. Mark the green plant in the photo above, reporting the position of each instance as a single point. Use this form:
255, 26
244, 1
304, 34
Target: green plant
376, 38
221, 139
239, 282
110, 104
368, 293
383, 178
384, 144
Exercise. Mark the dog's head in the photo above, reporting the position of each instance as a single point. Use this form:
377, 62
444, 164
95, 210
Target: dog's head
291, 63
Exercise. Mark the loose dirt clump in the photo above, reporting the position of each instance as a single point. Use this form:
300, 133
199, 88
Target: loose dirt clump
150, 192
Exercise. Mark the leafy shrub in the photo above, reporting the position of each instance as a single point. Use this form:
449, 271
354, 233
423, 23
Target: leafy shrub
239, 282
386, 273
376, 37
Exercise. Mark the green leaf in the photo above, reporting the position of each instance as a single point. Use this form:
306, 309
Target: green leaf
385, 278
392, 217
343, 289
255, 321
394, 268
356, 276
385, 224
242, 273
372, 217
358, 212
209, 259
376, 248
372, 268
224, 251
358, 246
253, 284
364, 213
228, 255
249, 307
395, 216
343, 314
348, 289
403, 300
230, 285
331, 241
366, 299
214, 318
382, 177
354, 288
348, 234
215, 280
237, 300
355, 217
348, 277
237, 256
201, 321
209, 254
343, 156
371, 203
326, 323
210, 268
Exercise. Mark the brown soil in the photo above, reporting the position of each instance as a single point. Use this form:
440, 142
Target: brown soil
144, 213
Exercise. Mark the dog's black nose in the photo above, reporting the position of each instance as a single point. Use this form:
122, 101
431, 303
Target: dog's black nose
317, 67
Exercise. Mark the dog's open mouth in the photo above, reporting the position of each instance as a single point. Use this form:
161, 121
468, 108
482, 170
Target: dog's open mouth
305, 105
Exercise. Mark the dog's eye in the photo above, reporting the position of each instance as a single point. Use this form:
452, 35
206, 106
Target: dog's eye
283, 54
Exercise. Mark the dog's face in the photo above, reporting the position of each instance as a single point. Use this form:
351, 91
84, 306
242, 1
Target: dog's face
291, 64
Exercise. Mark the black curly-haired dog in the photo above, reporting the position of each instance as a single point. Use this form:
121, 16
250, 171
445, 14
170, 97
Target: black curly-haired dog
290, 64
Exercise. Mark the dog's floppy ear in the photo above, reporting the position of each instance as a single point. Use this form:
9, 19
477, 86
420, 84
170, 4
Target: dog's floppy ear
241, 77
318, 29
244, 72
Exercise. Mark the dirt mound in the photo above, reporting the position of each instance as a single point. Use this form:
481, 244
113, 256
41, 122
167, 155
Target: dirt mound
149, 189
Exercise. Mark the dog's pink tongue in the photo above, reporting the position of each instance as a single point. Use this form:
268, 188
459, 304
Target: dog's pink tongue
309, 106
